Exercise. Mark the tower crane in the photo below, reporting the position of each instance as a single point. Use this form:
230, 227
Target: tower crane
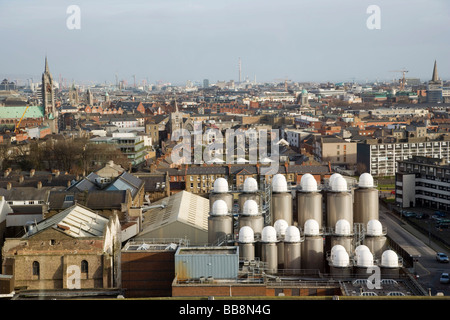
18, 124
403, 81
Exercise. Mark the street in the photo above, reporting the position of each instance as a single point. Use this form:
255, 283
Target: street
427, 268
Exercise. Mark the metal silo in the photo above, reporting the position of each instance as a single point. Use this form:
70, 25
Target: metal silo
339, 203
221, 191
292, 250
251, 216
363, 259
249, 192
312, 248
375, 238
365, 205
339, 262
281, 200
309, 201
343, 235
269, 249
390, 265
280, 226
246, 242
220, 222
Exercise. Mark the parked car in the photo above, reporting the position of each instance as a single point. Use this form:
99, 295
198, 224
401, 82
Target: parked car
439, 214
422, 216
444, 278
441, 257
408, 214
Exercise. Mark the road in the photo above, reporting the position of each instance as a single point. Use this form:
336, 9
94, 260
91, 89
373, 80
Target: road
427, 268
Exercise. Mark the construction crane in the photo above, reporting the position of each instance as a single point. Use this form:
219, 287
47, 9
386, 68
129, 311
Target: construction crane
16, 130
285, 82
403, 81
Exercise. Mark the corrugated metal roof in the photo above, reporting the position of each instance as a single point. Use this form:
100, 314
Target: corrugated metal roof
17, 112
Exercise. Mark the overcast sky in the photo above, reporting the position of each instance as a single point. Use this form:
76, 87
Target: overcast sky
179, 40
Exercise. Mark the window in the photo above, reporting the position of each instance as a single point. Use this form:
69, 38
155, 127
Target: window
84, 266
35, 268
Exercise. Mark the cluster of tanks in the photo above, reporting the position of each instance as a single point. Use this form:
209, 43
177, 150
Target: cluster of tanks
330, 229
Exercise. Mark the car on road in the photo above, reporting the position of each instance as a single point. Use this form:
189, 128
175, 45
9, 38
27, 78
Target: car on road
408, 214
441, 257
444, 278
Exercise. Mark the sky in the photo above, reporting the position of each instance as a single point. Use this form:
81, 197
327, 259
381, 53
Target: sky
179, 40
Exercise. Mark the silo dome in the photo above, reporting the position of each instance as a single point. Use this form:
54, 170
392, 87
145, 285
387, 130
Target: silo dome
220, 185
335, 249
361, 247
280, 226
365, 180
374, 228
339, 184
269, 234
333, 177
279, 183
246, 235
364, 258
341, 258
220, 208
250, 208
292, 234
343, 227
389, 259
311, 227
308, 183
250, 185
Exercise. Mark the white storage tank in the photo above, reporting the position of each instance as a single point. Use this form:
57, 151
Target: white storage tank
281, 200
292, 250
390, 265
309, 201
220, 222
339, 202
312, 248
246, 240
252, 216
366, 200
269, 249
340, 263
221, 191
375, 238
343, 235
280, 226
249, 192
363, 260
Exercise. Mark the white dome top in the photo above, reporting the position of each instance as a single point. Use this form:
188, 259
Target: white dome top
374, 228
250, 185
340, 258
361, 247
280, 226
292, 234
279, 183
364, 258
220, 185
332, 177
308, 183
389, 259
311, 227
339, 184
342, 227
246, 235
219, 208
250, 208
269, 234
365, 180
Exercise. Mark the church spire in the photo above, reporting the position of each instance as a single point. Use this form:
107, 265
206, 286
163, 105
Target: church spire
47, 69
435, 73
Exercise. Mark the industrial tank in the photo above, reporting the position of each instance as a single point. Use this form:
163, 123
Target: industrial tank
375, 238
339, 203
246, 242
339, 262
309, 201
363, 260
281, 200
220, 222
343, 235
390, 265
249, 192
269, 249
365, 205
221, 191
312, 248
280, 226
292, 250
251, 216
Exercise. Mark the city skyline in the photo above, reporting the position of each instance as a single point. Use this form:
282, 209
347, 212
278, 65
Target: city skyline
177, 41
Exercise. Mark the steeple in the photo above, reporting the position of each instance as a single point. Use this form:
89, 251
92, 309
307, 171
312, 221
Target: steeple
435, 77
47, 70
